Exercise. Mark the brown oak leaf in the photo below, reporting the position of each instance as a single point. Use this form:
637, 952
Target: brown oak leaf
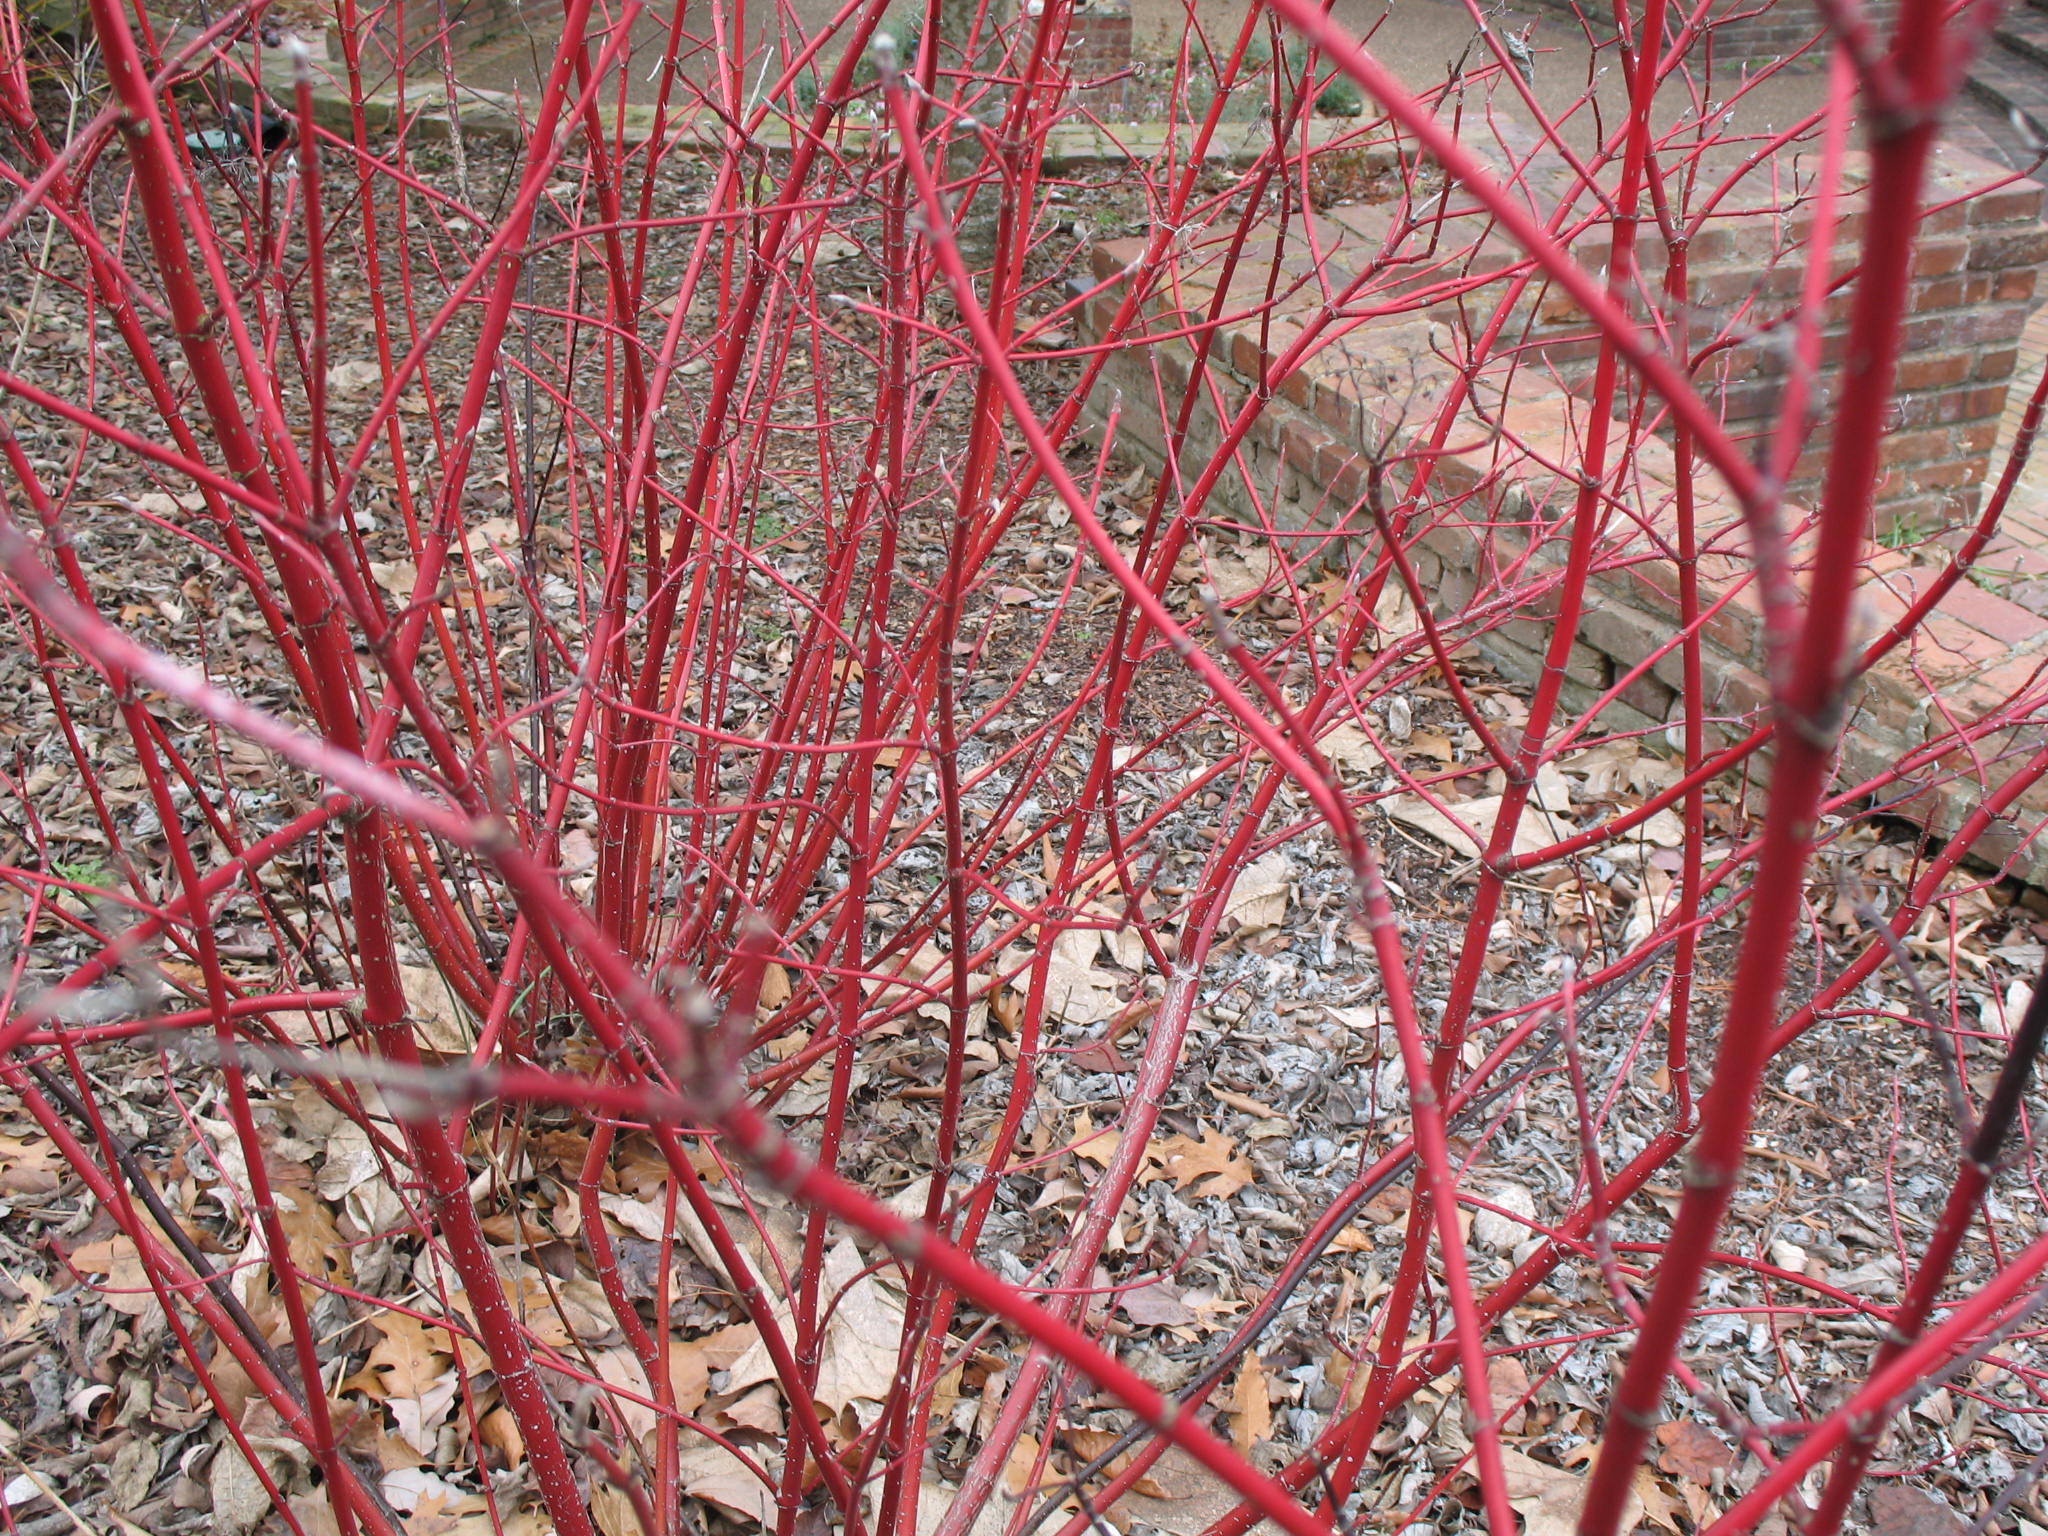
1213, 1160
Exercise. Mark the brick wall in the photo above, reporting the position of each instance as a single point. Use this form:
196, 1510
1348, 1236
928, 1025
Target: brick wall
1096, 49
1973, 287
1495, 508
1746, 32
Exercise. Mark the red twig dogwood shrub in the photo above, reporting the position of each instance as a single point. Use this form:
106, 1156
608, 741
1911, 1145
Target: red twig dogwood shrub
673, 724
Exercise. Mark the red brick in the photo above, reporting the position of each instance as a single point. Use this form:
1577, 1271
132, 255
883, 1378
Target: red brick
1735, 690
1934, 372
2022, 248
1997, 362
2016, 283
1950, 405
1736, 628
2022, 200
1938, 293
1336, 408
1916, 447
1938, 258
1943, 221
1945, 474
1297, 388
1991, 615
1244, 354
1557, 307
1967, 644
2005, 323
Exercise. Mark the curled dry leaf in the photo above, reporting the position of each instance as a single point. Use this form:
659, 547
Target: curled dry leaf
1251, 1416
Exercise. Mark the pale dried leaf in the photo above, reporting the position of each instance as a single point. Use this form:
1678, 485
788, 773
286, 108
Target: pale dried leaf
1549, 1498
1259, 899
1479, 815
436, 1019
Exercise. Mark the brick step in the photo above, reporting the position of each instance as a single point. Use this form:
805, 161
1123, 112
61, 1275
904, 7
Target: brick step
2012, 83
2023, 32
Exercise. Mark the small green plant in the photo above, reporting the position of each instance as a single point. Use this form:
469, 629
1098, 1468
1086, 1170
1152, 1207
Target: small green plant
1340, 98
88, 871
1903, 530
2001, 581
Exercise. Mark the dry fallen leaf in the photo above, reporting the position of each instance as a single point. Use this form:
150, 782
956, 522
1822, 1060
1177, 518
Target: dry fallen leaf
1088, 1444
1156, 1306
1432, 744
1212, 1159
1534, 832
612, 1509
1251, 1408
1507, 1383
1259, 899
1548, 1498
405, 1361
1245, 1102
1019, 1465
1091, 1145
1659, 1507
435, 1016
500, 1432
1897, 1511
1077, 990
1348, 749
775, 989
861, 1339
1692, 1451
29, 1166
712, 1473
126, 1281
